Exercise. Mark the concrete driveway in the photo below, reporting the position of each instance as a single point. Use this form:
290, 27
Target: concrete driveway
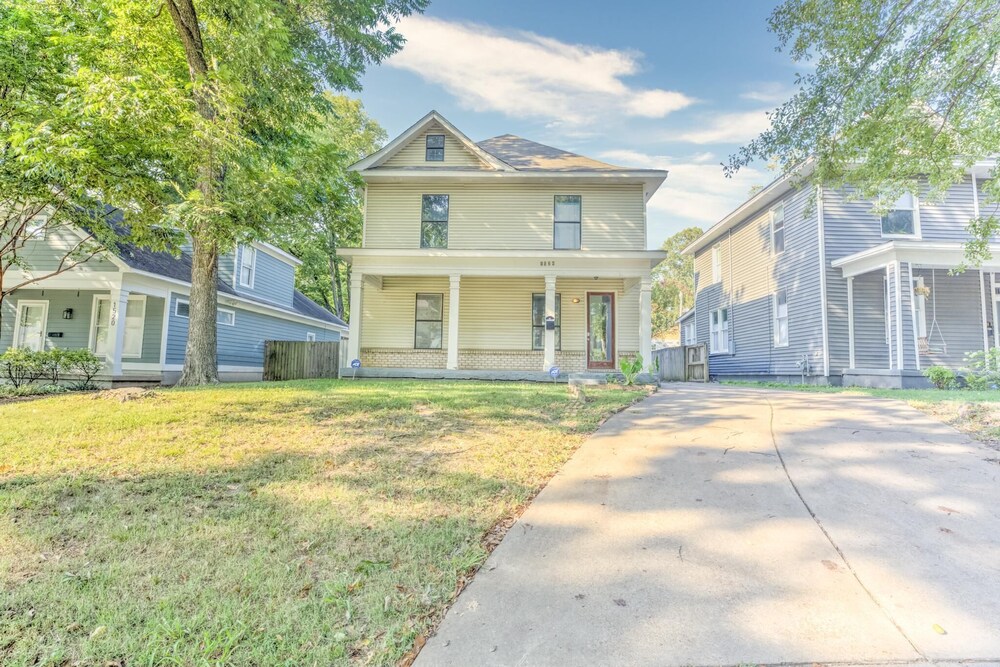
677, 535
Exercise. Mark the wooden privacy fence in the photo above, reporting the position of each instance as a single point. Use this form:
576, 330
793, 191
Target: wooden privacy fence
300, 360
684, 363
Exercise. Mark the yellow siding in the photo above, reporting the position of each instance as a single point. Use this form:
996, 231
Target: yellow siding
494, 313
455, 153
506, 216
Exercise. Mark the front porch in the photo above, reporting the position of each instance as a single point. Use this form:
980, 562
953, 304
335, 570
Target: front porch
907, 312
126, 327
483, 323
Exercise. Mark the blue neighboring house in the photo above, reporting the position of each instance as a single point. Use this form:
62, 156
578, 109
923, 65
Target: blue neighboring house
812, 284
80, 308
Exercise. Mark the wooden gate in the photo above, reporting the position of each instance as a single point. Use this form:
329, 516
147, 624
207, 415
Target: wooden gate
300, 360
685, 363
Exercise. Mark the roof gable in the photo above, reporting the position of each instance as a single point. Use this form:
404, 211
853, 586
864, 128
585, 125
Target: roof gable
407, 150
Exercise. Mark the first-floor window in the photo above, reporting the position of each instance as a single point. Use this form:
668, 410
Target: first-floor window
135, 322
719, 339
690, 333
427, 330
780, 318
222, 315
538, 322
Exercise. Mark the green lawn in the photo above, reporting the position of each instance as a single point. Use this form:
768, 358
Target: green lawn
974, 412
301, 523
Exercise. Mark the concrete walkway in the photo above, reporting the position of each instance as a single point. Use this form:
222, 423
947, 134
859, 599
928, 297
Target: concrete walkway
675, 536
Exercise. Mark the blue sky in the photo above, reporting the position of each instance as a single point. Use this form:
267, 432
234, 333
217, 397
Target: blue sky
672, 85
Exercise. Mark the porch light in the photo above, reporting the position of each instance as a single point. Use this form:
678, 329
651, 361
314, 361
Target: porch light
68, 314
576, 299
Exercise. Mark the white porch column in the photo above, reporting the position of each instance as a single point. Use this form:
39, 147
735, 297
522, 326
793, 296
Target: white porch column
116, 325
646, 320
453, 301
357, 313
850, 321
549, 334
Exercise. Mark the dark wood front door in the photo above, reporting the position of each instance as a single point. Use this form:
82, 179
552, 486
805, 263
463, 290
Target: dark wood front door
600, 330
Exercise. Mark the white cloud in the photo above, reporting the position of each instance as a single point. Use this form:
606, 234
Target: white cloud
525, 75
726, 128
694, 193
769, 92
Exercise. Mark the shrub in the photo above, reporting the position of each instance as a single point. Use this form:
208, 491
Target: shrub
631, 369
982, 369
22, 366
941, 377
85, 363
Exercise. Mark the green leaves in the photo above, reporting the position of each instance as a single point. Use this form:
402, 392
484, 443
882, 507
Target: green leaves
896, 90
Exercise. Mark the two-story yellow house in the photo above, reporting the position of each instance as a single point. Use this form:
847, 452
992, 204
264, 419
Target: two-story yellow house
500, 259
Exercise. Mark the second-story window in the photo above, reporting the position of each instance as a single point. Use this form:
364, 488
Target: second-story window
566, 222
434, 148
717, 263
434, 221
778, 229
901, 218
248, 266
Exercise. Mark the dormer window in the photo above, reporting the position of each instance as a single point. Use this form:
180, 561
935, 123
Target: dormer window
434, 148
248, 266
901, 220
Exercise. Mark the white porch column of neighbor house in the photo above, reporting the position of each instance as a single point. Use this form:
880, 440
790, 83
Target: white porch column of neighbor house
455, 282
116, 324
646, 320
549, 334
357, 312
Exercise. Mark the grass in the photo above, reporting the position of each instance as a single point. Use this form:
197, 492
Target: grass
300, 523
976, 413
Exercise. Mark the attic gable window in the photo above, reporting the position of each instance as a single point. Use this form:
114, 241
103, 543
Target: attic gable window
434, 148
901, 220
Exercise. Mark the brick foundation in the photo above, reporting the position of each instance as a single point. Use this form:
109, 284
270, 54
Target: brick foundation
388, 357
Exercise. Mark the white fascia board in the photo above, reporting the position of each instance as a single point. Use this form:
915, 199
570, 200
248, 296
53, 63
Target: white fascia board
918, 253
652, 179
394, 146
73, 279
504, 263
774, 191
277, 253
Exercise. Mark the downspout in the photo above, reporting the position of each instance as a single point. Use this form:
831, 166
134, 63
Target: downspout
822, 281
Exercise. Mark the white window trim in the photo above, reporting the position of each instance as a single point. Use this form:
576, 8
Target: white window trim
218, 309
92, 339
310, 336
722, 329
916, 222
17, 318
717, 263
774, 316
784, 229
253, 266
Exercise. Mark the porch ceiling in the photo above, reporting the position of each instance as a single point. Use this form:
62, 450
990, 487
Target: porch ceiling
917, 252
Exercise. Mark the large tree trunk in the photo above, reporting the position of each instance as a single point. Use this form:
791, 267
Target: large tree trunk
200, 365
201, 354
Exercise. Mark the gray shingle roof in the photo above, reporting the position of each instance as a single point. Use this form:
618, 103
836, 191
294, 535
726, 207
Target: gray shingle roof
526, 155
179, 268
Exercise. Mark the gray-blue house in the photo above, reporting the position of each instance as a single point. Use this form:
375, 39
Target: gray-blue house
811, 284
131, 307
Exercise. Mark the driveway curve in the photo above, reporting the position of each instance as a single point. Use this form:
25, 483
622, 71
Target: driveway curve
714, 525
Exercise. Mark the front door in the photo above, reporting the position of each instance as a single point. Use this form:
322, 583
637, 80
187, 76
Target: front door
30, 324
600, 330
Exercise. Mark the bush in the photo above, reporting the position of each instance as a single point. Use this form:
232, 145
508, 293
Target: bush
941, 377
982, 369
85, 363
21, 366
7, 391
631, 369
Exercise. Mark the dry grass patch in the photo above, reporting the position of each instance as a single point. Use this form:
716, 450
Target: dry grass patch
297, 523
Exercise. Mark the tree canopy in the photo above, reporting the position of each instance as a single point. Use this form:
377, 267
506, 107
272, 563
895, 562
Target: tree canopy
894, 91
673, 281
